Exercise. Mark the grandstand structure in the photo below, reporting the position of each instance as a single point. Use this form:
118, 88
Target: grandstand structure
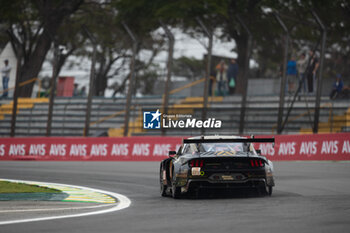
107, 115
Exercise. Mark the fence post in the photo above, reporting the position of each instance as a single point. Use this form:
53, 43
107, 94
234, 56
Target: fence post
91, 82
169, 69
245, 74
15, 94
209, 34
131, 79
319, 81
284, 70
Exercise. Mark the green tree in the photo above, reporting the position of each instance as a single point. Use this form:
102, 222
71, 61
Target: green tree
111, 41
189, 67
267, 46
32, 26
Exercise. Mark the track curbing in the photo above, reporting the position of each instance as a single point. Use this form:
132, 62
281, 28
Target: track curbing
123, 202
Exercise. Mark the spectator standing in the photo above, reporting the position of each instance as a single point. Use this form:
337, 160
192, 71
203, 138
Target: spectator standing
5, 71
221, 78
232, 73
292, 75
75, 90
311, 73
337, 87
301, 68
82, 92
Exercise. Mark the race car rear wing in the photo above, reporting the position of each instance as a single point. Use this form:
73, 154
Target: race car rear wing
228, 140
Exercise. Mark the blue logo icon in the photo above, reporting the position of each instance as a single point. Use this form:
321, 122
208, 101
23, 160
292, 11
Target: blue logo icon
151, 120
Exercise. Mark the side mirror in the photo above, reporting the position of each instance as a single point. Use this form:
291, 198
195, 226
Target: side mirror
171, 153
258, 151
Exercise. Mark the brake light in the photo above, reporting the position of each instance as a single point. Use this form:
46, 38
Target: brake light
256, 163
196, 163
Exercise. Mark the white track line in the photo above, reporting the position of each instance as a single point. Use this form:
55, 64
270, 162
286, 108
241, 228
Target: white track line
57, 209
124, 202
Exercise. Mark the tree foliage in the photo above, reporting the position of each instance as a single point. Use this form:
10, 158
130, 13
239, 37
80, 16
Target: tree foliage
33, 25
189, 67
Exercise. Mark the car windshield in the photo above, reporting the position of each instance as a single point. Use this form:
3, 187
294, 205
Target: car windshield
215, 147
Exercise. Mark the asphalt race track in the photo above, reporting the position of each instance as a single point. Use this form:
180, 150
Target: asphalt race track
308, 197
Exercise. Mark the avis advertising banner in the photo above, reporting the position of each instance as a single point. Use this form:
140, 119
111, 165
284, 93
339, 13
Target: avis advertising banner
287, 147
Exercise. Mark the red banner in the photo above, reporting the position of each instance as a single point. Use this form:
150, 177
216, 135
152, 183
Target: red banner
287, 147
308, 147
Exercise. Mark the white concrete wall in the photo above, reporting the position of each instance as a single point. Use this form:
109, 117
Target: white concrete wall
8, 53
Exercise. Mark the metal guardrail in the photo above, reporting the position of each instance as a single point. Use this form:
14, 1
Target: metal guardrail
118, 113
187, 86
106, 118
308, 112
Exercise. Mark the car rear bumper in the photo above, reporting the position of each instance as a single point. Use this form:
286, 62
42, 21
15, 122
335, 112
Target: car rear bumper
209, 184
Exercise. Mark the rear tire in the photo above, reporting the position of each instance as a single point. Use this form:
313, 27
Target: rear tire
163, 187
269, 190
265, 190
175, 191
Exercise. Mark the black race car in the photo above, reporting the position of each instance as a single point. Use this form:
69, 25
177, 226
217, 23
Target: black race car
216, 162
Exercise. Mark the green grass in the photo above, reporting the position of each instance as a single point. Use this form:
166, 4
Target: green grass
11, 187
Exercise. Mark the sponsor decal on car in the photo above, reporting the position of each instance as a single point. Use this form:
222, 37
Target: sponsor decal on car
226, 153
196, 171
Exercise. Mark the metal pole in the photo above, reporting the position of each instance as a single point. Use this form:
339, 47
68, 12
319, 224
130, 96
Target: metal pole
284, 78
15, 94
169, 69
245, 74
91, 83
319, 81
53, 89
131, 80
209, 34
